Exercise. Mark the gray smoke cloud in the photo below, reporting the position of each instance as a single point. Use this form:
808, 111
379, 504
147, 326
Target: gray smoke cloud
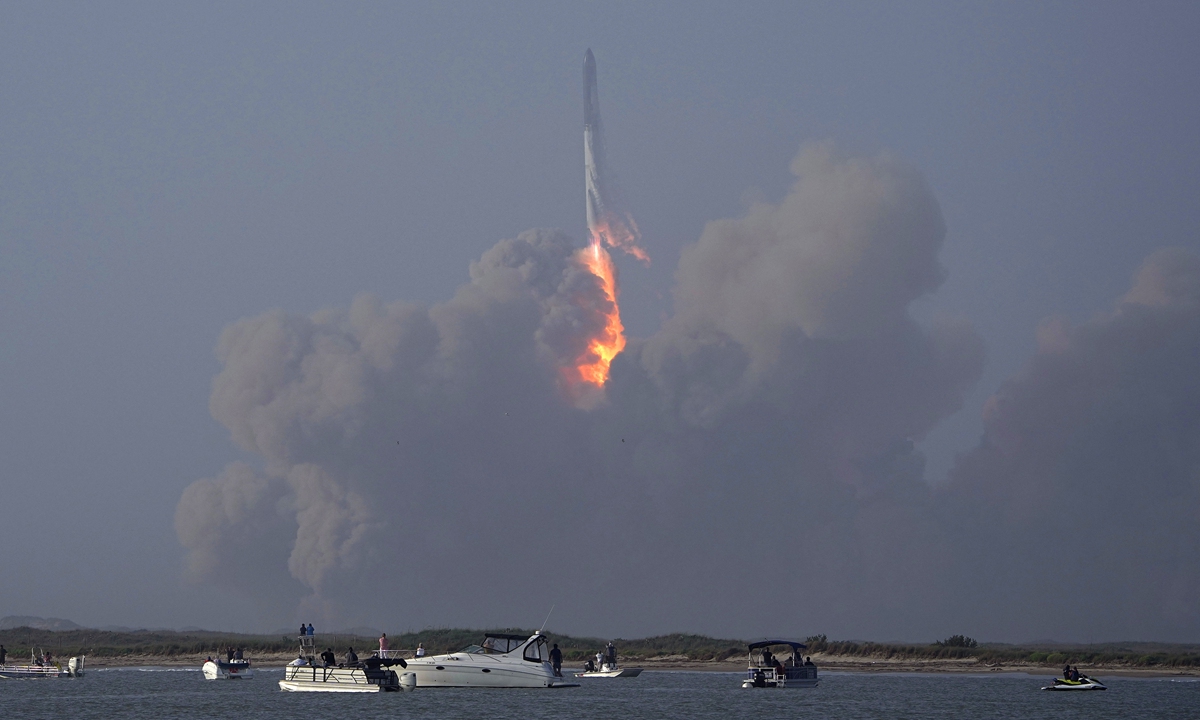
1079, 512
423, 466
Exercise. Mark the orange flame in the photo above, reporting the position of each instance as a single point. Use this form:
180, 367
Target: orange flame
591, 368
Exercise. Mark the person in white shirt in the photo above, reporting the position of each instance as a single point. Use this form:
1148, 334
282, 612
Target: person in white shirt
299, 661
420, 650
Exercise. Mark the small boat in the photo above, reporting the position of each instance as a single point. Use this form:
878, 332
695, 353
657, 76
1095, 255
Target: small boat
41, 667
372, 675
768, 671
508, 661
235, 669
605, 666
1083, 683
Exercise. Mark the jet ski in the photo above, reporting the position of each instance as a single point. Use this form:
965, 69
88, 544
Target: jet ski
1083, 683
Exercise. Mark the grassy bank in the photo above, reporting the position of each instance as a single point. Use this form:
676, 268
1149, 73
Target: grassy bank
1055, 655
101, 644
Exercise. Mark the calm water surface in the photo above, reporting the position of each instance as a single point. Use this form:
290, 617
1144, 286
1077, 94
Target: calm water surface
176, 693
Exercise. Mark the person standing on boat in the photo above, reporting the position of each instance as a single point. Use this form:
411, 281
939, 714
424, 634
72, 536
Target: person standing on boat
611, 651
383, 644
238, 654
556, 660
3, 654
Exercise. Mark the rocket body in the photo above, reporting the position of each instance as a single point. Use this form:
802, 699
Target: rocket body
593, 149
609, 225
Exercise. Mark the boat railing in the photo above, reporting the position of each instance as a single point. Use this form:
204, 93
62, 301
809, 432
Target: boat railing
391, 654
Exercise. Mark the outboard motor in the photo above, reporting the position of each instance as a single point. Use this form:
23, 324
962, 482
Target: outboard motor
408, 681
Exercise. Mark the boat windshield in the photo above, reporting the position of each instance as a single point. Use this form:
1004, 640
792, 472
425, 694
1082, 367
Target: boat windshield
536, 651
496, 645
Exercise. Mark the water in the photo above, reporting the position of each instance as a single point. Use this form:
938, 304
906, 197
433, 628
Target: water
182, 693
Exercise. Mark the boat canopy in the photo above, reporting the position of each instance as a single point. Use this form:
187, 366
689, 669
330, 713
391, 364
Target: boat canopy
767, 643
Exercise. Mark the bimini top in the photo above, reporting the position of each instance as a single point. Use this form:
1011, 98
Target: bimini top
767, 643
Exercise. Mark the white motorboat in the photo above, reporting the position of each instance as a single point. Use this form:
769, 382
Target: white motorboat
41, 667
372, 675
605, 666
1083, 683
227, 669
768, 671
502, 661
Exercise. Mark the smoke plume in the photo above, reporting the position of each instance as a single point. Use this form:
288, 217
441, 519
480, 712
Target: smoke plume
1079, 511
425, 466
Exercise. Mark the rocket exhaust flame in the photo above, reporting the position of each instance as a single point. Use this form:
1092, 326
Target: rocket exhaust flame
590, 371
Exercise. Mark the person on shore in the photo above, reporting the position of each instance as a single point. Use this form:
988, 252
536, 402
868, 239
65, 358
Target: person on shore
383, 644
311, 632
420, 650
556, 660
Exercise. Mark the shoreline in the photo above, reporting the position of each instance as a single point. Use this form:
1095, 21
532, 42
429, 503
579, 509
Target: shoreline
677, 664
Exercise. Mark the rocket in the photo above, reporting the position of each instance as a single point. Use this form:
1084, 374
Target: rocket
593, 148
607, 221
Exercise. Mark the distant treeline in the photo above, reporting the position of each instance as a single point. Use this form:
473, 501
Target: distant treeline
166, 644
1050, 654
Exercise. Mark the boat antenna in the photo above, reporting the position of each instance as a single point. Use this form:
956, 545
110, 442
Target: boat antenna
543, 627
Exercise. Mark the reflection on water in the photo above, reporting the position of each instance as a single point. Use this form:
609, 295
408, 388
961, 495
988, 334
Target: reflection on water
183, 693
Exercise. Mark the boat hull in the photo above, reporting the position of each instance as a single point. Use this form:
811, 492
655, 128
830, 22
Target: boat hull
622, 672
1075, 686
227, 671
73, 668
803, 676
467, 670
343, 680
788, 684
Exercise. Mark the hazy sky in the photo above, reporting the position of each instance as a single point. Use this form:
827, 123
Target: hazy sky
869, 223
